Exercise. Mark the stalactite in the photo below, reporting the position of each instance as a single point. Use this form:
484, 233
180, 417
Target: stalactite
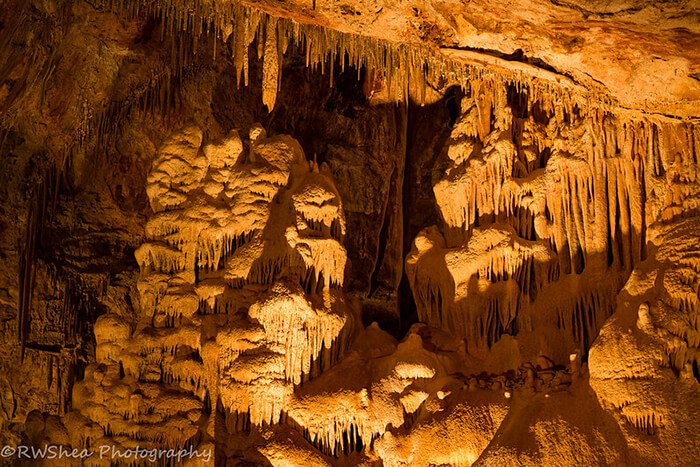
406, 69
567, 178
271, 65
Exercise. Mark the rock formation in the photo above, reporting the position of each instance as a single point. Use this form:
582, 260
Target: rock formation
350, 232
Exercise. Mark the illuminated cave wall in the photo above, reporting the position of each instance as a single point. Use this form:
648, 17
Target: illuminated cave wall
294, 238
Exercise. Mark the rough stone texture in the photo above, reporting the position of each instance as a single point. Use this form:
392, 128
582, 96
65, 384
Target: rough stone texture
643, 53
470, 241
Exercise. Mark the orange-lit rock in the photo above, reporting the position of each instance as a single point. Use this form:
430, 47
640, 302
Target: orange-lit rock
351, 232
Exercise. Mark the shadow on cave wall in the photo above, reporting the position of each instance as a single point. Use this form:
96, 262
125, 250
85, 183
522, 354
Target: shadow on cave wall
380, 155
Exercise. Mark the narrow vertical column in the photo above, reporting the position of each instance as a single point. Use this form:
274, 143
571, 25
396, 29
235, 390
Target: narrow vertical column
271, 65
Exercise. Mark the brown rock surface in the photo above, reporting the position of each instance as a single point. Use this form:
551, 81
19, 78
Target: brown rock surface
363, 232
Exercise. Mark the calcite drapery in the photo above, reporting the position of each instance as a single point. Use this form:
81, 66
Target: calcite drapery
240, 292
536, 199
644, 365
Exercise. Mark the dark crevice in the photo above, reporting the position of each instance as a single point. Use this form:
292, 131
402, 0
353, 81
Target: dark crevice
428, 128
519, 56
383, 238
600, 14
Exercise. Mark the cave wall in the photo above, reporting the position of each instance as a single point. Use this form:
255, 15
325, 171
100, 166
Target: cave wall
229, 237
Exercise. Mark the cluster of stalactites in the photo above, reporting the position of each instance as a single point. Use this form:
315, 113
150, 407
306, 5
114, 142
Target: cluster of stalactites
404, 70
677, 309
293, 339
109, 405
380, 393
219, 243
582, 186
476, 290
562, 178
304, 330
